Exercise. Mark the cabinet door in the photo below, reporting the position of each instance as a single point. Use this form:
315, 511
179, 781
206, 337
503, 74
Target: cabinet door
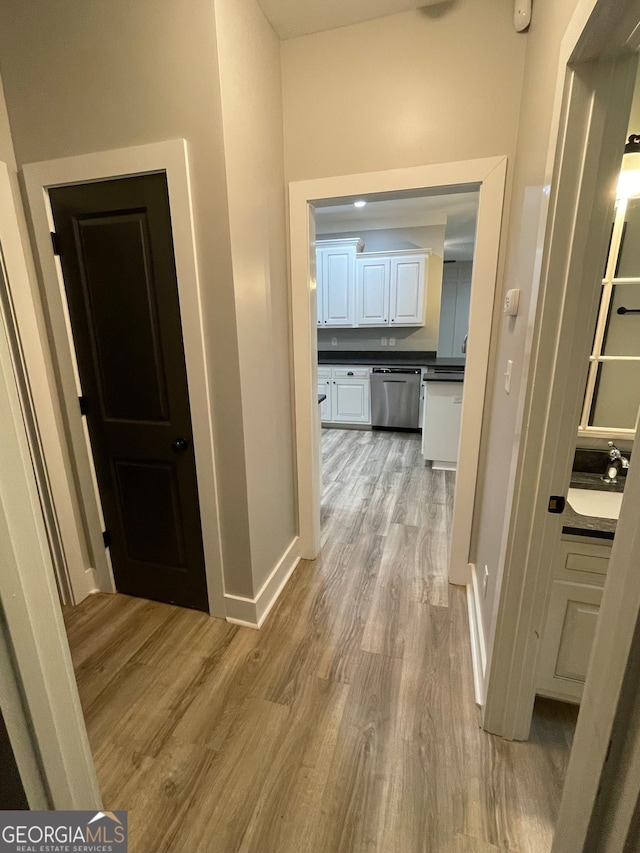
319, 287
373, 280
350, 401
325, 387
567, 640
442, 419
338, 273
407, 291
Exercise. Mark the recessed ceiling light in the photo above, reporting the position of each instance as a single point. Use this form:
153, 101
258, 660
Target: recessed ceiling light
360, 203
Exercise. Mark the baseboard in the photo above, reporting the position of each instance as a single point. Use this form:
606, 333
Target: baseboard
252, 612
476, 632
438, 465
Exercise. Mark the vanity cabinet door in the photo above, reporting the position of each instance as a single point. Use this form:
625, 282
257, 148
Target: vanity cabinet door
567, 640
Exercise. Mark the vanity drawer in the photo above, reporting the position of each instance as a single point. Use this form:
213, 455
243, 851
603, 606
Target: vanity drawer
582, 562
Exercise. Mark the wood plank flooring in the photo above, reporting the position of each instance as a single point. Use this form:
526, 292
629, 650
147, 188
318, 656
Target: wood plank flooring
347, 723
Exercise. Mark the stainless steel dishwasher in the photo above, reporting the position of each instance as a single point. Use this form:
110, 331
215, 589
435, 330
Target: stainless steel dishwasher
395, 397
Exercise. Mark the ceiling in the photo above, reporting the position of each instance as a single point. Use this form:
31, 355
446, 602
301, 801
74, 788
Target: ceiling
291, 18
457, 210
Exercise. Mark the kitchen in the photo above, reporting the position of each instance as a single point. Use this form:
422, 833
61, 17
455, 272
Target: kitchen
394, 286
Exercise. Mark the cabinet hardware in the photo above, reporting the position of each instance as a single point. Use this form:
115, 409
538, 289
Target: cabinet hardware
556, 504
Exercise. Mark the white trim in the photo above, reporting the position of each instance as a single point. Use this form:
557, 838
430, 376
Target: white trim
28, 593
252, 612
586, 139
170, 157
490, 174
476, 636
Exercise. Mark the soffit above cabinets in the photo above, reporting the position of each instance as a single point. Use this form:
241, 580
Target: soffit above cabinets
291, 18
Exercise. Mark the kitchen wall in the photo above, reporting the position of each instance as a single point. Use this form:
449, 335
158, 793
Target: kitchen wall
83, 77
501, 428
389, 239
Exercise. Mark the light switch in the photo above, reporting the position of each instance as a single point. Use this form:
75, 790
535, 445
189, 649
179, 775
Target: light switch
507, 377
384, 341
334, 342
392, 342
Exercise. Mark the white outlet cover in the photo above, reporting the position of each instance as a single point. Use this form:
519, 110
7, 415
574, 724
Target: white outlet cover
384, 341
392, 342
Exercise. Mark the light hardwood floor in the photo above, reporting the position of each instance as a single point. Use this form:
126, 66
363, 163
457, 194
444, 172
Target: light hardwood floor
347, 723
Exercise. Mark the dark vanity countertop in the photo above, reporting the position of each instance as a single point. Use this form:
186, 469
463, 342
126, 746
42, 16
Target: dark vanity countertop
588, 525
388, 359
321, 398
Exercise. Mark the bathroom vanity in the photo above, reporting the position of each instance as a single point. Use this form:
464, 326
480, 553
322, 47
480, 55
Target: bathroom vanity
581, 561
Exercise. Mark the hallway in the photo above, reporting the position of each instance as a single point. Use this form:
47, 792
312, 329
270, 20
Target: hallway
347, 723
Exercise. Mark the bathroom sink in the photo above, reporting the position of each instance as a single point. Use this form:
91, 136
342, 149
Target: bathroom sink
596, 503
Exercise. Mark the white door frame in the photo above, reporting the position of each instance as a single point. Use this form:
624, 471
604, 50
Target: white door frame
45, 724
88, 565
593, 98
490, 174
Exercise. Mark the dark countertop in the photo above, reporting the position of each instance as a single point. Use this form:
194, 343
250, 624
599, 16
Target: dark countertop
444, 377
588, 525
321, 398
388, 359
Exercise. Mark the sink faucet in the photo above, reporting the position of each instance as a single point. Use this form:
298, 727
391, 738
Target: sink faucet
615, 462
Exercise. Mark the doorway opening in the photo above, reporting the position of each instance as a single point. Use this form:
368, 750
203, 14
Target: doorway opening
489, 176
393, 275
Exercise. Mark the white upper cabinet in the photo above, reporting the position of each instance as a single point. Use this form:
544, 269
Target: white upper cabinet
407, 291
373, 280
335, 271
373, 289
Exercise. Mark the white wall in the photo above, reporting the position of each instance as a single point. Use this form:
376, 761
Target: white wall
424, 339
250, 80
501, 427
428, 86
85, 77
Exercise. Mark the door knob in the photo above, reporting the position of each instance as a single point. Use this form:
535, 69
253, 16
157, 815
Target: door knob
179, 445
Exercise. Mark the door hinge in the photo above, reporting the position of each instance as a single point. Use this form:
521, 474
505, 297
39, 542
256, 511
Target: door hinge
55, 244
556, 504
83, 405
106, 538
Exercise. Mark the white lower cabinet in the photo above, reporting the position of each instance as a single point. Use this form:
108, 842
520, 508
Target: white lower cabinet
324, 387
441, 423
348, 395
572, 616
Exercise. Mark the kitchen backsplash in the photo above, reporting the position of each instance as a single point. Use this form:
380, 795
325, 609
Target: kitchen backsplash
407, 340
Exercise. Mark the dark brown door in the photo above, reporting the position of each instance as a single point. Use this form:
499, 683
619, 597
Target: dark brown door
116, 250
12, 795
